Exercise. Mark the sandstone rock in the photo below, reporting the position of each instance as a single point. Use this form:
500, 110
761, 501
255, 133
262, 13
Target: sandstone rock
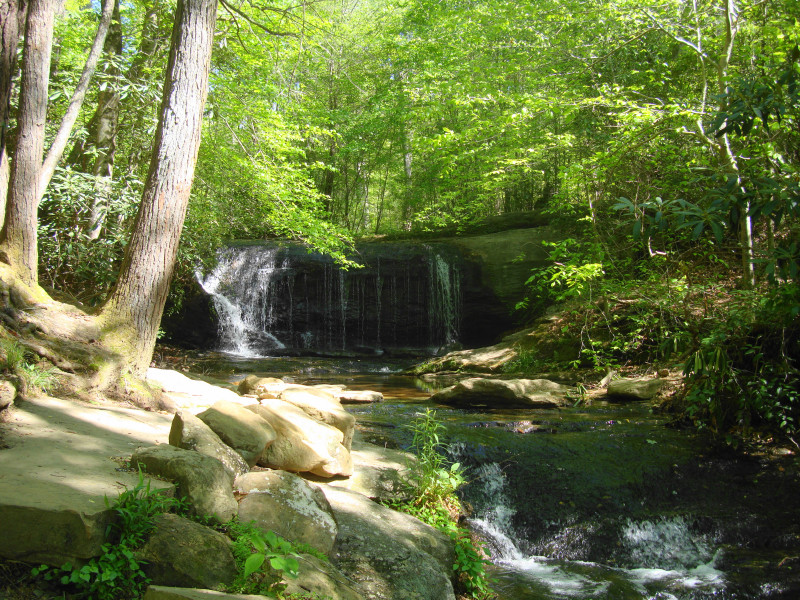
390, 555
323, 407
484, 360
330, 387
160, 592
302, 443
253, 384
322, 580
183, 553
240, 428
641, 388
512, 393
201, 479
7, 393
190, 394
359, 396
190, 433
378, 473
282, 502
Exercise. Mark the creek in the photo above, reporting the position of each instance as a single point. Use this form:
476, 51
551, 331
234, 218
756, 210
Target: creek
602, 502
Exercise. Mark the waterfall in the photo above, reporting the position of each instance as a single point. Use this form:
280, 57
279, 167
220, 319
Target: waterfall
279, 299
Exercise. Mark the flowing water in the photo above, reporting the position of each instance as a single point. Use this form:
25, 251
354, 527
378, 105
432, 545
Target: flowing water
604, 502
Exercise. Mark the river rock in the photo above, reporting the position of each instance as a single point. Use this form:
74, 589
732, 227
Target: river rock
252, 384
379, 473
497, 393
287, 504
7, 393
201, 479
358, 396
321, 579
183, 553
191, 394
389, 555
640, 388
322, 406
478, 360
240, 429
302, 444
190, 433
160, 592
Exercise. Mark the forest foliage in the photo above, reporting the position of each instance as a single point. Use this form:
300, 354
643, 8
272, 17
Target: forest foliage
663, 136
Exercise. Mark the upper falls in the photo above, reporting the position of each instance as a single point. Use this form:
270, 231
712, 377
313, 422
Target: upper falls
409, 298
276, 298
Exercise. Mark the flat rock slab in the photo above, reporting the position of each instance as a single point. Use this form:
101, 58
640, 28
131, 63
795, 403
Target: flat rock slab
191, 394
161, 592
58, 468
504, 393
389, 555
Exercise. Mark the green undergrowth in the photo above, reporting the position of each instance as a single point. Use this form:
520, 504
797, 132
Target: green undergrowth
435, 503
737, 349
264, 560
117, 573
16, 362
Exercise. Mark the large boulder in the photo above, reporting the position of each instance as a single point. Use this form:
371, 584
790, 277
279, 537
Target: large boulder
183, 553
190, 433
302, 444
201, 479
321, 580
239, 428
390, 555
379, 473
638, 388
322, 406
282, 502
504, 393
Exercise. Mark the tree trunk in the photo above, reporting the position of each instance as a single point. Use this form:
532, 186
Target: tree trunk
19, 231
132, 314
12, 22
30, 175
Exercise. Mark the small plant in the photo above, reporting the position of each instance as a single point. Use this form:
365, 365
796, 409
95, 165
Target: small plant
14, 358
435, 503
434, 481
264, 559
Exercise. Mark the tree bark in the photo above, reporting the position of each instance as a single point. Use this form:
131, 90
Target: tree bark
19, 231
12, 22
132, 314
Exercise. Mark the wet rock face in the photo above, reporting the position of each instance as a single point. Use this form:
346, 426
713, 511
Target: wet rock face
410, 298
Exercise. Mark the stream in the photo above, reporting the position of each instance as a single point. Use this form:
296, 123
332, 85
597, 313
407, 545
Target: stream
603, 502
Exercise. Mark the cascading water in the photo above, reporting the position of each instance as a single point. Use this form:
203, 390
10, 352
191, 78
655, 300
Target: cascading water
279, 299
663, 553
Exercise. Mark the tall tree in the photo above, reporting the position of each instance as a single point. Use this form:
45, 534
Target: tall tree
31, 170
132, 314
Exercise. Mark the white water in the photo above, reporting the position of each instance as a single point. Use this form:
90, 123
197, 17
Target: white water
666, 557
239, 322
264, 304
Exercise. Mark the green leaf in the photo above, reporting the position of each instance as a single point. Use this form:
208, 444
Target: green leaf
253, 564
